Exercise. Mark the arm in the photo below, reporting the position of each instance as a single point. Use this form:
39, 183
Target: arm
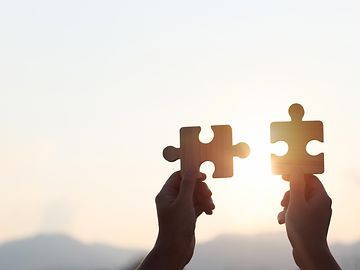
179, 203
307, 213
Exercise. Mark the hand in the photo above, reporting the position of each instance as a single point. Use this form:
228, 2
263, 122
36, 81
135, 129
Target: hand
180, 202
307, 213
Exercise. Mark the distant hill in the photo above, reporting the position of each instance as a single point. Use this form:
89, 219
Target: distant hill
348, 256
60, 252
227, 252
261, 252
255, 252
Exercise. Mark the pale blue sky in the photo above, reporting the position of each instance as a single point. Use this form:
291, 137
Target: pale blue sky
92, 91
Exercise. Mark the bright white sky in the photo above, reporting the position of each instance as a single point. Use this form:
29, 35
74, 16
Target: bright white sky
92, 91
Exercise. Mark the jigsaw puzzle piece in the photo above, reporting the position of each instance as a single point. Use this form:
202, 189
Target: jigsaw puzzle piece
220, 151
297, 134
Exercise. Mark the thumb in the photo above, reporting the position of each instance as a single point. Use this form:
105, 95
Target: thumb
297, 187
187, 186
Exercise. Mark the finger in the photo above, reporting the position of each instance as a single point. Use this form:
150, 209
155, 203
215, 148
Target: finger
187, 186
202, 189
203, 196
315, 189
201, 176
286, 198
314, 185
202, 201
297, 187
286, 177
199, 211
281, 217
206, 204
172, 185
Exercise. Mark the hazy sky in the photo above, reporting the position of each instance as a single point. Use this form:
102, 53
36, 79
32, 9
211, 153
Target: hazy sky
92, 91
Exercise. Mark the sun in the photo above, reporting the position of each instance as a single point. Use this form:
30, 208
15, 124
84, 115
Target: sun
250, 200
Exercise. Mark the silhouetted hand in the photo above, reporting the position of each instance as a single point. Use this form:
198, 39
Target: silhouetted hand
179, 203
307, 213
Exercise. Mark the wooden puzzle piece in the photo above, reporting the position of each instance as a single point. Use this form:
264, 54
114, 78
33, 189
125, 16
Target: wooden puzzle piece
192, 153
297, 134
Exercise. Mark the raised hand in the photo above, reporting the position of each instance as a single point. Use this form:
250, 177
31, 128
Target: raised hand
179, 203
307, 213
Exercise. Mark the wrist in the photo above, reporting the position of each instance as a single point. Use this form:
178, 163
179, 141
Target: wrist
314, 257
167, 256
159, 259
178, 247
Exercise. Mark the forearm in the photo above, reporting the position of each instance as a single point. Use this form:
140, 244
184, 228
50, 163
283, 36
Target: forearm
160, 259
316, 259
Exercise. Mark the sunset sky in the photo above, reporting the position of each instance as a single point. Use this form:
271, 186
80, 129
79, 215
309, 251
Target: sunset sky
92, 91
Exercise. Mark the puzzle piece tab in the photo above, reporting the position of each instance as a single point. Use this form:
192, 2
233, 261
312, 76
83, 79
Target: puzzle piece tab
297, 134
192, 153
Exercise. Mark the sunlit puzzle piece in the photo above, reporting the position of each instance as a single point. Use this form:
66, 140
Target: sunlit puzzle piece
220, 151
297, 134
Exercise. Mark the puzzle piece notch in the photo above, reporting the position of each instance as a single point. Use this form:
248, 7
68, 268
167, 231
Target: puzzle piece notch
192, 153
297, 134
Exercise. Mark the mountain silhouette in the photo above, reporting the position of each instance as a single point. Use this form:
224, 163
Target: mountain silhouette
61, 252
253, 252
270, 251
